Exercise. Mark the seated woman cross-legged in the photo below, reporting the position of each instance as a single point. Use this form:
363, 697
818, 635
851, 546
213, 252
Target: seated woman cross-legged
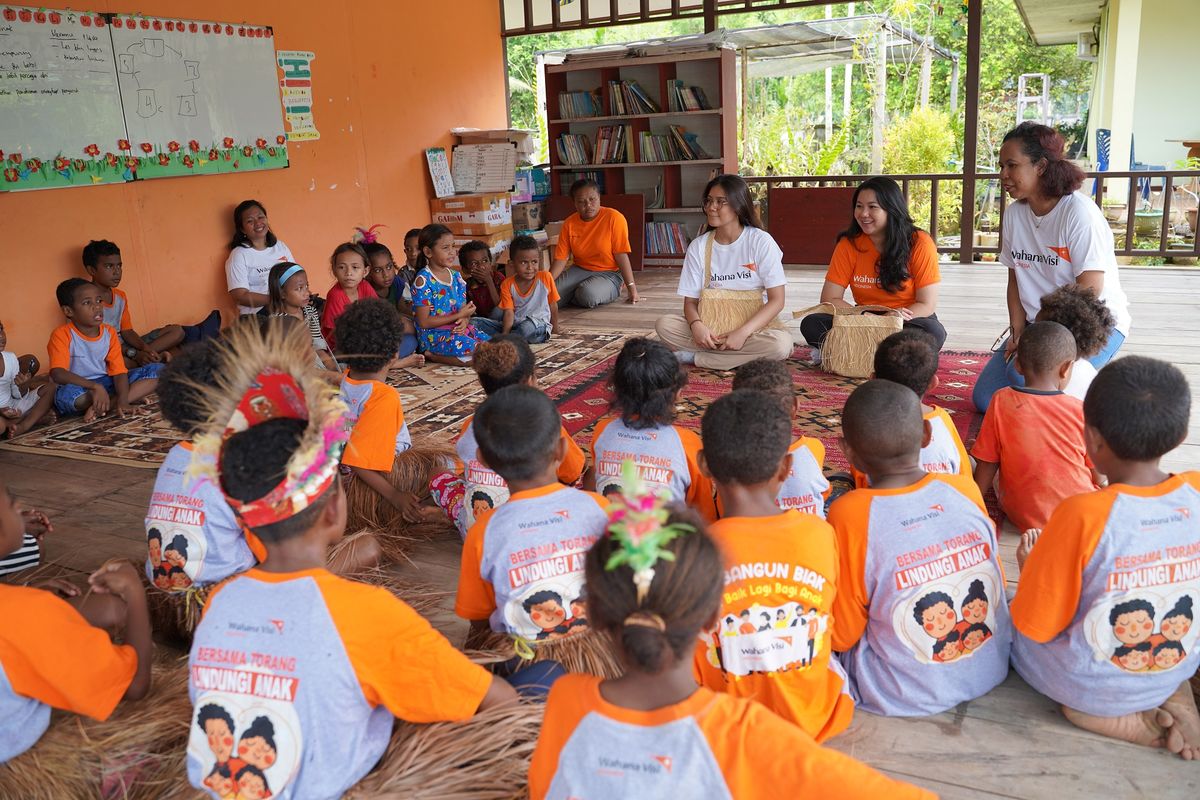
885, 260
733, 287
597, 238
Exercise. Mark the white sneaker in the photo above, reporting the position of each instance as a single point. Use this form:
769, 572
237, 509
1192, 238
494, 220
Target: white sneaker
685, 356
814, 357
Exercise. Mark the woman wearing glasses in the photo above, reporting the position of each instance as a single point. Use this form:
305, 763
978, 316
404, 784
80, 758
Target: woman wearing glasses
597, 238
733, 287
885, 260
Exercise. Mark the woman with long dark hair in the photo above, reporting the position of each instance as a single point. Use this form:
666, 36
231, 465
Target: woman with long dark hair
732, 284
253, 250
1053, 236
885, 260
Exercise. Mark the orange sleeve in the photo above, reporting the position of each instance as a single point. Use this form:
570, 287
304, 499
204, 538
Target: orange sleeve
551, 286
114, 359
506, 299
987, 443
841, 265
701, 493
1048, 588
923, 262
372, 442
126, 318
562, 250
565, 707
848, 515
476, 598
54, 656
571, 468
860, 478
59, 348
619, 231
402, 663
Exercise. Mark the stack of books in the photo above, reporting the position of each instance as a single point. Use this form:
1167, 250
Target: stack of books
686, 98
666, 239
627, 98
676, 145
574, 148
612, 145
570, 177
574, 105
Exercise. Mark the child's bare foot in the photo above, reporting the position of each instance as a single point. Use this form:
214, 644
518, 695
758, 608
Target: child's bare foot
414, 360
1028, 540
1150, 728
90, 414
1184, 737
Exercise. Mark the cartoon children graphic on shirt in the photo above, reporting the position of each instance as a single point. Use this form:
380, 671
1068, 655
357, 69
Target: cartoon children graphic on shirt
158, 570
1132, 623
948, 647
481, 502
731, 627
747, 626
257, 745
217, 724
1177, 622
764, 623
1133, 657
973, 636
781, 618
577, 623
221, 781
545, 610
813, 626
610, 490
174, 560
252, 784
935, 614
1167, 655
974, 606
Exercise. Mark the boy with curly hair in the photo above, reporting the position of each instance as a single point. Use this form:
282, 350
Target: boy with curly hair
1087, 317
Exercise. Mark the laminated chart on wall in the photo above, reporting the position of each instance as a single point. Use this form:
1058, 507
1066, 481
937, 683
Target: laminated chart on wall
101, 98
484, 167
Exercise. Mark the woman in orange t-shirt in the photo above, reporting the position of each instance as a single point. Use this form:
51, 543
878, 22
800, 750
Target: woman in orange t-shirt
597, 238
885, 260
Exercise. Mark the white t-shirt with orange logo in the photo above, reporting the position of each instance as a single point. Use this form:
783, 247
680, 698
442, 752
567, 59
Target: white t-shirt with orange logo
1054, 250
753, 261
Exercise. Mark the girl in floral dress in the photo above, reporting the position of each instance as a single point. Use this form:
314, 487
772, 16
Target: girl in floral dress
443, 311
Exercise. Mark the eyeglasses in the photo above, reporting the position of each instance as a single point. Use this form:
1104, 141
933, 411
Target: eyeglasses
715, 202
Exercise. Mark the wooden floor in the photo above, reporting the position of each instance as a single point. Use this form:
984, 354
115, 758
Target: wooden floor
1010, 743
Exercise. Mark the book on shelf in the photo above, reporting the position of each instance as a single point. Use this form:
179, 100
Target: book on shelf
666, 239
626, 98
569, 178
574, 148
658, 199
612, 144
686, 98
675, 145
574, 105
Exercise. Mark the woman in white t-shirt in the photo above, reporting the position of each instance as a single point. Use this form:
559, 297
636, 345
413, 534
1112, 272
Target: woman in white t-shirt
252, 252
1053, 236
740, 256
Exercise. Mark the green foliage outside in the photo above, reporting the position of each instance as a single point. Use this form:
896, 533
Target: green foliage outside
922, 143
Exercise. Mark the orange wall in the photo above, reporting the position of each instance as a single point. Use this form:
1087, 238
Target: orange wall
389, 79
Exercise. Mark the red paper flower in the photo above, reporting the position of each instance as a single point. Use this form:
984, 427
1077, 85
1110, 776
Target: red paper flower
117, 23
131, 163
173, 146
147, 148
34, 164
188, 162
228, 141
85, 22
39, 17
99, 21
61, 163
122, 144
260, 143
229, 30
145, 24
170, 25
55, 18
79, 164
164, 159
157, 25
14, 158
271, 152
192, 27
236, 164
247, 150
25, 14
206, 27
11, 175
194, 146
213, 155
10, 15
280, 139
111, 159
92, 150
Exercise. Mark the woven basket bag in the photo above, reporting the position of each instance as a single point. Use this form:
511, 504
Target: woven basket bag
849, 348
725, 310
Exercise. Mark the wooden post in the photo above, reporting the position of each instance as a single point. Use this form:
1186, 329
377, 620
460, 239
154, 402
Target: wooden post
710, 14
828, 89
745, 92
849, 76
880, 109
926, 72
953, 86
966, 228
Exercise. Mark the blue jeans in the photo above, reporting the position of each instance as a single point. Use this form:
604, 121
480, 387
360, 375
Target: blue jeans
529, 329
408, 345
999, 374
65, 396
587, 288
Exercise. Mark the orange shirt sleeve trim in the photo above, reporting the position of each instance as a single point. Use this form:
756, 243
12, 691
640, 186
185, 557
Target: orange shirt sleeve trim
114, 359
849, 515
476, 599
571, 468
372, 442
701, 493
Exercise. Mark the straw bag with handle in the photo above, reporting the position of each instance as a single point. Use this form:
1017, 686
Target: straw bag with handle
725, 310
849, 347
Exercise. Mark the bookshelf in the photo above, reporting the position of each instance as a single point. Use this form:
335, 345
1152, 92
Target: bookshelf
580, 103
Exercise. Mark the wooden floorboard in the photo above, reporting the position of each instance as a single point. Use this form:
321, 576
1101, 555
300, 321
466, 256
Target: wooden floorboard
1012, 743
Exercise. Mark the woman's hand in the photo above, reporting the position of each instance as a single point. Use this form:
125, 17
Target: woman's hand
703, 337
735, 340
906, 314
632, 296
1010, 347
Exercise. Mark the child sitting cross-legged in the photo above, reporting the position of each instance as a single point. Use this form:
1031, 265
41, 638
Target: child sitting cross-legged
475, 487
1032, 435
654, 585
1105, 602
393, 288
522, 563
23, 403
529, 299
805, 488
920, 617
287, 288
56, 649
349, 266
1089, 320
444, 310
86, 361
910, 358
483, 285
646, 381
306, 669
771, 641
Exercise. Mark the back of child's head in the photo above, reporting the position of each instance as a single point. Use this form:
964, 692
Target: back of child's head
770, 377
65, 292
504, 361
349, 247
372, 249
882, 422
276, 281
368, 334
909, 358
746, 434
470, 252
1140, 407
429, 237
645, 380
180, 385
522, 244
96, 249
682, 600
413, 233
1079, 310
1043, 347
517, 430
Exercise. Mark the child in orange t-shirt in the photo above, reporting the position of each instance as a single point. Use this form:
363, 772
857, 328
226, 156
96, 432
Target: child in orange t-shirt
646, 381
805, 488
288, 653
771, 642
55, 650
1104, 605
661, 734
910, 358
1032, 435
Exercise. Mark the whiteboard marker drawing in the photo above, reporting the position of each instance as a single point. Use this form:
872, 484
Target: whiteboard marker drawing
154, 47
187, 105
147, 105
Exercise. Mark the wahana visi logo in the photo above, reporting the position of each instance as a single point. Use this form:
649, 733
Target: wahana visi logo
564, 514
665, 761
278, 623
1063, 252
938, 508
1186, 513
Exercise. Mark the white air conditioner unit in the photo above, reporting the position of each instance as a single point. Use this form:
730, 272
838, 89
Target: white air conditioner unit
1086, 46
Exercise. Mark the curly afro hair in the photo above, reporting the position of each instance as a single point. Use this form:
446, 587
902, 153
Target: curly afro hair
178, 387
368, 335
1080, 311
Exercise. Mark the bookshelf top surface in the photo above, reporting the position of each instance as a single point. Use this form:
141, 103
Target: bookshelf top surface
701, 112
590, 167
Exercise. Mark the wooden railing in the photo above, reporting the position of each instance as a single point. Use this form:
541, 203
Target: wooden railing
1126, 238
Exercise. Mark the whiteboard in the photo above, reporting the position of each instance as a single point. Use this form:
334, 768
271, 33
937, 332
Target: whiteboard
58, 98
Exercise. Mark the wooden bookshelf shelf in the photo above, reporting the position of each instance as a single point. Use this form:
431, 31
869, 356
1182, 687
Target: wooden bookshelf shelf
700, 113
696, 210
590, 167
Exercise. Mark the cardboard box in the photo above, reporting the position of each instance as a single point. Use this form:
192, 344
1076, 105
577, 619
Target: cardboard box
474, 223
528, 216
553, 229
472, 203
496, 242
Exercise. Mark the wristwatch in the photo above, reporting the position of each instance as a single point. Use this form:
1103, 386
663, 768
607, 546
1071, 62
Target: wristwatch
131, 352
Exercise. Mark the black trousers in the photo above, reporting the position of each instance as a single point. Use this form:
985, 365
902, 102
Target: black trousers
816, 326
